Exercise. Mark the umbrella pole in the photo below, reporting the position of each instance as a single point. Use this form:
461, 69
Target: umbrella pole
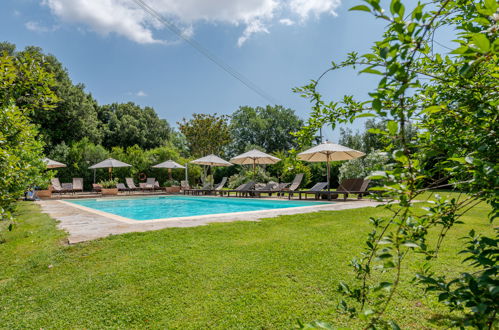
254, 169
170, 173
94, 175
186, 174
328, 178
110, 173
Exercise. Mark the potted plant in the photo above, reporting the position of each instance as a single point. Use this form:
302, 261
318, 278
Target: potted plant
109, 187
172, 186
44, 190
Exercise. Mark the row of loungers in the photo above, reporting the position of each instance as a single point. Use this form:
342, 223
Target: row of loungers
77, 186
347, 187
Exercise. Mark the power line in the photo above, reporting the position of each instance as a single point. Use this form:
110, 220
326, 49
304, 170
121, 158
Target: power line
205, 52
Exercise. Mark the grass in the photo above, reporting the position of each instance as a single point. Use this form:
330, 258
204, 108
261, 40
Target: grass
262, 274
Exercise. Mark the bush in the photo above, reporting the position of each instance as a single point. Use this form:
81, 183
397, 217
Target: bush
247, 174
365, 166
109, 184
171, 183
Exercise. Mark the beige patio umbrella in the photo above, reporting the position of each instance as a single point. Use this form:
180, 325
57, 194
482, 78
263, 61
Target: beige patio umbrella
211, 160
169, 164
52, 163
110, 163
254, 157
327, 152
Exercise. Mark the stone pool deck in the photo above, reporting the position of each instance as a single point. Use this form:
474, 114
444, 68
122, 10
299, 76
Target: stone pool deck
83, 225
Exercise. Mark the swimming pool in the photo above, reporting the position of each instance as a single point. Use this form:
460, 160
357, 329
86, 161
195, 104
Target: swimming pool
164, 207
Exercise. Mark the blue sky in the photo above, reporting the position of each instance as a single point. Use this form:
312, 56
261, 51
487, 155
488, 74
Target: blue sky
276, 44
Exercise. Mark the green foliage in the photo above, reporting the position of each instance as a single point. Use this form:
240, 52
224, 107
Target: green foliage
24, 82
289, 167
206, 134
247, 174
365, 166
81, 155
453, 99
108, 184
269, 128
171, 183
475, 294
127, 124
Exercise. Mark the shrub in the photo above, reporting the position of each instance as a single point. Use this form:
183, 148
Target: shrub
109, 184
365, 166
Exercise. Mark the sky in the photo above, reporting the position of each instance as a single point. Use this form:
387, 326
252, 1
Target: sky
121, 53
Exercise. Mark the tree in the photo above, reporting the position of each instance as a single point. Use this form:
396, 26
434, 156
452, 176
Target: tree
127, 124
206, 134
268, 127
75, 114
21, 165
454, 99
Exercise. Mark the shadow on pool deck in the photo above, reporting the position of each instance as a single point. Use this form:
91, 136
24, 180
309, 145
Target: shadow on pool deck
83, 225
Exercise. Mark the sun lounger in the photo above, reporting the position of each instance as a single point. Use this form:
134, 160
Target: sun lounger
57, 187
131, 185
293, 186
122, 187
77, 184
150, 184
208, 189
248, 190
184, 185
239, 190
96, 187
316, 190
349, 186
270, 189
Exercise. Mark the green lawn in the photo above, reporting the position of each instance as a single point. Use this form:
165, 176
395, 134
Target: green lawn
234, 275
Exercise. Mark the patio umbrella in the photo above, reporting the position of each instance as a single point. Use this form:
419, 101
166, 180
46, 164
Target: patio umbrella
327, 152
211, 160
52, 163
254, 157
169, 164
110, 163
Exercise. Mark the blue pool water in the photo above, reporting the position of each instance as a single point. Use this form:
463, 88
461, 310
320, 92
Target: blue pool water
162, 207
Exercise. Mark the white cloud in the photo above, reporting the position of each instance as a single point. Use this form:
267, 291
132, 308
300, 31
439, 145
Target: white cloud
286, 21
126, 18
141, 94
304, 8
37, 27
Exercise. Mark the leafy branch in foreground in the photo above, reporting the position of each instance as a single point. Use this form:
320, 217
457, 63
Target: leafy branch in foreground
452, 99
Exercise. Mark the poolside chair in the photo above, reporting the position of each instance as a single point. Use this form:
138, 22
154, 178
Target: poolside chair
238, 190
150, 184
247, 190
271, 188
316, 190
221, 184
96, 187
184, 185
293, 186
208, 188
122, 187
57, 187
350, 186
77, 184
131, 185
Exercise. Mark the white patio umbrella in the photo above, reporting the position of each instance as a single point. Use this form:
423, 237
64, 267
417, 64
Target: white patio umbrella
169, 164
327, 152
52, 163
110, 163
211, 160
254, 157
